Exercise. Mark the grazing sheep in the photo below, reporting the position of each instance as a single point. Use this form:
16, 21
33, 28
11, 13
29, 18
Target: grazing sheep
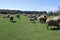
32, 19
42, 18
8, 15
51, 22
11, 18
35, 18
17, 15
57, 18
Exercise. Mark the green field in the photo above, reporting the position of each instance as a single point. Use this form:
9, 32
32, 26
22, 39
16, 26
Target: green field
23, 29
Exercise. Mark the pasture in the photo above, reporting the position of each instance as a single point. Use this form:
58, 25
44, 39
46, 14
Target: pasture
23, 29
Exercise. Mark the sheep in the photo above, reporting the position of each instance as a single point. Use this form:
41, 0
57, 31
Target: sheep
52, 22
11, 18
32, 19
35, 18
57, 18
8, 15
17, 15
42, 18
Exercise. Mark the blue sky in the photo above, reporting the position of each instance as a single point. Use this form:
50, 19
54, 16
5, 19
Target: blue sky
30, 5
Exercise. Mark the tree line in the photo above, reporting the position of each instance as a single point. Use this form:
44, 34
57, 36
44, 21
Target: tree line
6, 11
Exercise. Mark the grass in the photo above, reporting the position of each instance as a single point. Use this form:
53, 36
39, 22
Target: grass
23, 29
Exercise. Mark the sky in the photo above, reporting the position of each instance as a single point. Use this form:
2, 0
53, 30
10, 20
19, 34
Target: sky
30, 5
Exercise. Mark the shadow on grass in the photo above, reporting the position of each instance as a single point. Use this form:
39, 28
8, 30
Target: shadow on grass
42, 22
58, 28
55, 29
13, 21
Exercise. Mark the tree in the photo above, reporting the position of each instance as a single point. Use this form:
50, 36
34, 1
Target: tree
50, 13
58, 11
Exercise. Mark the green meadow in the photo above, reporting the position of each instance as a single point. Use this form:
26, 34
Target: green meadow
23, 29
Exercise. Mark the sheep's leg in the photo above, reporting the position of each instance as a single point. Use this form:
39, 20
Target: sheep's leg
54, 26
51, 26
58, 26
47, 27
33, 21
